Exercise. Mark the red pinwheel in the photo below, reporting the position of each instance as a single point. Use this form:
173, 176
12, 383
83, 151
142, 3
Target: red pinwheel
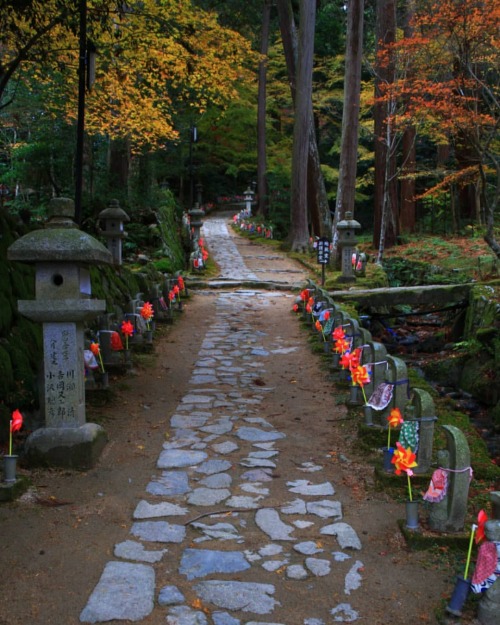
127, 330
338, 333
16, 423
482, 517
394, 419
96, 350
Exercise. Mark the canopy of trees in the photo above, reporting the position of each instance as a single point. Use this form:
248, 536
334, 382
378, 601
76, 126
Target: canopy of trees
427, 107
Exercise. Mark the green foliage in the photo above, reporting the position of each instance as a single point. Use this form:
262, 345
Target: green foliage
405, 272
6, 373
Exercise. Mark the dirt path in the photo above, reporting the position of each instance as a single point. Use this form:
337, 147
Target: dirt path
57, 540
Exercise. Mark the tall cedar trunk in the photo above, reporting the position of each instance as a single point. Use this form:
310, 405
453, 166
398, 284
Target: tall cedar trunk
299, 233
407, 218
316, 195
385, 33
346, 189
262, 188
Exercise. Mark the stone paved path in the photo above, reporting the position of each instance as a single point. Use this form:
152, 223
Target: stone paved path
210, 515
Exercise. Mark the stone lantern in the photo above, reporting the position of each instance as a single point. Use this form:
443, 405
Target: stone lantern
62, 254
195, 222
347, 243
112, 220
248, 196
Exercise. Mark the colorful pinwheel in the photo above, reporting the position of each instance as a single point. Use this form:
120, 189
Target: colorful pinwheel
96, 350
127, 330
394, 419
404, 460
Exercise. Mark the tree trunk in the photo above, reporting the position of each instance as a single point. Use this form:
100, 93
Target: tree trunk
299, 233
262, 188
407, 218
317, 197
346, 189
385, 33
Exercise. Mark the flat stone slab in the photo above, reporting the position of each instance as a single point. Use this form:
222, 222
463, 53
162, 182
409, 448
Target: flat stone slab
170, 595
242, 501
318, 567
325, 508
179, 458
202, 562
210, 467
218, 531
297, 506
346, 536
225, 448
125, 591
308, 548
158, 531
296, 571
268, 520
245, 596
353, 578
184, 615
187, 421
208, 496
169, 483
305, 487
258, 475
258, 463
146, 510
217, 480
247, 433
224, 618
132, 550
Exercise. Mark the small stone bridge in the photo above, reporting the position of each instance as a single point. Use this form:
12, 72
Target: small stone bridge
439, 295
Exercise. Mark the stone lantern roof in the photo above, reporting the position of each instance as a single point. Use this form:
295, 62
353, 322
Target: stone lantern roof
60, 240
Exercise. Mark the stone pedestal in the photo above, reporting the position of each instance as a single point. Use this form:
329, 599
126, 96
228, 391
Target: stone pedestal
62, 255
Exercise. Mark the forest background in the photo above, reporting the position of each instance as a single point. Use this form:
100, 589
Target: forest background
388, 110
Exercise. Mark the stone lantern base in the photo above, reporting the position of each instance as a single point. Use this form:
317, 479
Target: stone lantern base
72, 448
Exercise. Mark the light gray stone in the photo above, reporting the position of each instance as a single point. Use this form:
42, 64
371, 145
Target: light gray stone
217, 480
318, 567
146, 510
202, 562
251, 434
325, 509
170, 595
207, 496
179, 458
125, 591
242, 501
296, 571
184, 615
169, 483
297, 506
225, 448
353, 578
268, 520
224, 618
346, 536
213, 466
305, 487
132, 550
187, 421
158, 531
274, 565
245, 596
308, 548
218, 531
